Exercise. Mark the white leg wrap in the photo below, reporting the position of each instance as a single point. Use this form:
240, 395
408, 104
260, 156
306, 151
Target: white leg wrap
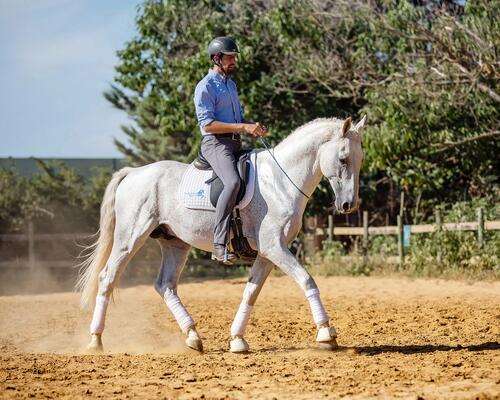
241, 319
317, 309
178, 310
101, 305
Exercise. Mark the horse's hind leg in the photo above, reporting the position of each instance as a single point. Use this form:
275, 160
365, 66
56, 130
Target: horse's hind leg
258, 275
174, 255
127, 241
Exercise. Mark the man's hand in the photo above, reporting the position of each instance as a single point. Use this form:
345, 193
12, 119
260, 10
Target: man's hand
263, 127
255, 129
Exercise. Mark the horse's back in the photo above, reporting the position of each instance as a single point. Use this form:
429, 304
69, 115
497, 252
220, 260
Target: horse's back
158, 170
159, 177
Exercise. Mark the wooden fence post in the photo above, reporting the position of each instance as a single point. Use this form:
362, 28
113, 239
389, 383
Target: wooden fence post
480, 227
330, 227
439, 227
439, 220
365, 236
316, 239
31, 245
402, 203
401, 251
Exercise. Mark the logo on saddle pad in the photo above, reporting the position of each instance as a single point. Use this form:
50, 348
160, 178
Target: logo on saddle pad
199, 193
194, 192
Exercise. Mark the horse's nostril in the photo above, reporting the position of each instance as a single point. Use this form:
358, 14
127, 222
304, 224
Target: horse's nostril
345, 206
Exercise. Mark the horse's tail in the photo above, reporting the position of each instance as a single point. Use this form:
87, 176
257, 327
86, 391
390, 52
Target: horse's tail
97, 254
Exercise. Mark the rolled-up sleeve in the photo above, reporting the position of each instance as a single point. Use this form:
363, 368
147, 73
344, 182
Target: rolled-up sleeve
204, 102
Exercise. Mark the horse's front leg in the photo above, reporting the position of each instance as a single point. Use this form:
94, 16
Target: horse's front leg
258, 275
286, 261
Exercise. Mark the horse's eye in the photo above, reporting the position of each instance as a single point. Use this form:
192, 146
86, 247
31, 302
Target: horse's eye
343, 161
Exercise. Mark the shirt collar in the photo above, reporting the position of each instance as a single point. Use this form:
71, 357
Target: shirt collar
216, 75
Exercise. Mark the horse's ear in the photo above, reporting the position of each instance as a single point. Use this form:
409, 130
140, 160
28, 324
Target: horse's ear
359, 126
347, 126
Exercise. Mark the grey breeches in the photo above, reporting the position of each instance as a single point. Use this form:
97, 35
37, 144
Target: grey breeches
220, 153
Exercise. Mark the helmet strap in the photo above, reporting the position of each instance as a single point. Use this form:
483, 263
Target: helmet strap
219, 56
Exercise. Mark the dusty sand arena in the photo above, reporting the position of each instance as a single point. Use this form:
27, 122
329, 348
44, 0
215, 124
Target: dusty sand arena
399, 338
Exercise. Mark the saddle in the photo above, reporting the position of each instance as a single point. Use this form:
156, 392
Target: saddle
238, 242
216, 186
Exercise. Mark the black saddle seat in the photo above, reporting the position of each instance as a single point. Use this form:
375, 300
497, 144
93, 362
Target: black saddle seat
216, 186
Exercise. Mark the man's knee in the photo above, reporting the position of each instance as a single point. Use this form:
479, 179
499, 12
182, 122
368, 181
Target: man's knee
232, 184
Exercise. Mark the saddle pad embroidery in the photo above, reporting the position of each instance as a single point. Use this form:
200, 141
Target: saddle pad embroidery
195, 193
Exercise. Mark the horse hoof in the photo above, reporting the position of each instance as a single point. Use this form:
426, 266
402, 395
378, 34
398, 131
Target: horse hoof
195, 344
91, 348
327, 338
326, 334
331, 345
95, 345
193, 341
239, 345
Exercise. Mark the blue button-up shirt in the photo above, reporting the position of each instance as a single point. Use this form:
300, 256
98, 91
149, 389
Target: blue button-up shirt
216, 99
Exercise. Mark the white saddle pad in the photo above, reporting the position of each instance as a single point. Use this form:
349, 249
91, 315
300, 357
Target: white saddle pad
195, 193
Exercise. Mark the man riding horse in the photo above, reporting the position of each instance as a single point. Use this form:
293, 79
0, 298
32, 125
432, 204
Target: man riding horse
221, 121
139, 201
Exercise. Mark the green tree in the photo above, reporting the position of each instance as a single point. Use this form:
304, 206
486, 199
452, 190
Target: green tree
17, 201
161, 66
434, 122
57, 199
427, 79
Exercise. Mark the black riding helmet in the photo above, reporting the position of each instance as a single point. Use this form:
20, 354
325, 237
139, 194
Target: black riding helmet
222, 45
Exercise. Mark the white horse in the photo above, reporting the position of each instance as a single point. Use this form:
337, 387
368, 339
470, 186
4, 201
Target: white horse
138, 200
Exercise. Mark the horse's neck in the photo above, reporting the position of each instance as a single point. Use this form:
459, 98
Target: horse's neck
298, 156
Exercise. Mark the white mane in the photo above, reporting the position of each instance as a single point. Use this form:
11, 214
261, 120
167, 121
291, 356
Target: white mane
323, 126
